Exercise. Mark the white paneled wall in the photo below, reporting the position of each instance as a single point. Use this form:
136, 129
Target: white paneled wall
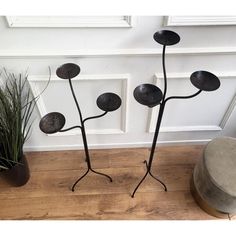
116, 55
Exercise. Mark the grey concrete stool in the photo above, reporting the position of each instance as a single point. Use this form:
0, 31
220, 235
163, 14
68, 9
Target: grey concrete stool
214, 178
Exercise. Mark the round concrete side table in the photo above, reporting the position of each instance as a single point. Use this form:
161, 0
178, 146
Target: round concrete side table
213, 184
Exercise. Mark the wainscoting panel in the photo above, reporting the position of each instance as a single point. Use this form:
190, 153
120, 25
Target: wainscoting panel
116, 55
85, 87
69, 21
200, 20
214, 122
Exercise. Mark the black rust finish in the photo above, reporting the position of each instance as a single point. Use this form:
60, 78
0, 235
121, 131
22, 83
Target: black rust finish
52, 123
108, 102
55, 121
68, 71
166, 37
205, 80
150, 95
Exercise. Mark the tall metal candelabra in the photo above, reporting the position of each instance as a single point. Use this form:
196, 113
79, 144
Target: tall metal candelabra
150, 95
54, 122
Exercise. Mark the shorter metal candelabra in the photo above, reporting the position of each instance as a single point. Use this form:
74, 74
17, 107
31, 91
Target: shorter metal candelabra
150, 95
54, 122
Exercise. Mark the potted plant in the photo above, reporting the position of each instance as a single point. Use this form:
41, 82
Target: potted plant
16, 109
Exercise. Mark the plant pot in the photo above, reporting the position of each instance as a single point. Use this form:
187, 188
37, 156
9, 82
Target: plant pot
19, 174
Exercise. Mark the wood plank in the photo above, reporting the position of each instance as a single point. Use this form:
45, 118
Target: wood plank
160, 205
47, 195
41, 161
60, 182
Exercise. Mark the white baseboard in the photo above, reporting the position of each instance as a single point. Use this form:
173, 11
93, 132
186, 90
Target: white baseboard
114, 145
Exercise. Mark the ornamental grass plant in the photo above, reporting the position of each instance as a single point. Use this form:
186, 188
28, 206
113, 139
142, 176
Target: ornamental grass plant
16, 108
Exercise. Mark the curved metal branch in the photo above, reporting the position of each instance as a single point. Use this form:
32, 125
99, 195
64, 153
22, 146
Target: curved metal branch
76, 182
99, 173
76, 102
139, 183
93, 117
165, 188
73, 127
164, 72
183, 97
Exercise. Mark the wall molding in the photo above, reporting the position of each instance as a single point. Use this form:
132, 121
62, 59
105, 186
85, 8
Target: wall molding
186, 128
75, 53
153, 112
70, 21
116, 145
199, 20
228, 112
124, 78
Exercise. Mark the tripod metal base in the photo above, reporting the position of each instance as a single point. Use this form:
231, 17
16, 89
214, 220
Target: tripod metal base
89, 169
150, 173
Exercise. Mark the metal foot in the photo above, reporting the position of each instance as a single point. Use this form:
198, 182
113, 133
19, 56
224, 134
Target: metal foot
139, 184
99, 173
73, 188
158, 181
148, 172
155, 177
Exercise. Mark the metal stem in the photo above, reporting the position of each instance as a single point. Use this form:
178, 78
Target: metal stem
93, 117
73, 127
82, 126
161, 111
158, 124
183, 97
76, 102
164, 72
86, 147
83, 131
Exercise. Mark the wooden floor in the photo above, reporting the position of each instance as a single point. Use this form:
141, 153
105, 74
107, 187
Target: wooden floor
47, 195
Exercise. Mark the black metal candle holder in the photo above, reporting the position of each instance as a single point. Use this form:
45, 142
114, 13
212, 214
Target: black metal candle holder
54, 122
150, 95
